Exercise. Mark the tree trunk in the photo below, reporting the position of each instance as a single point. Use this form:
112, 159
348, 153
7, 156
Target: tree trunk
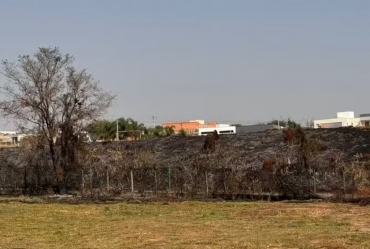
53, 155
54, 162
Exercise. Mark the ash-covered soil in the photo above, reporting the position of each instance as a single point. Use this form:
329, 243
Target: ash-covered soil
253, 148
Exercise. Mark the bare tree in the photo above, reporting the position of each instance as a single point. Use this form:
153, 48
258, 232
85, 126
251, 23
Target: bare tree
46, 92
310, 123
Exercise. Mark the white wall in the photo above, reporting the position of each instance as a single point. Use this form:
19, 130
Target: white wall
218, 129
345, 115
355, 122
222, 125
199, 121
8, 132
344, 122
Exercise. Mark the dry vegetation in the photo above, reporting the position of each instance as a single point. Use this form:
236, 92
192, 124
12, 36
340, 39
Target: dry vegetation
185, 225
296, 164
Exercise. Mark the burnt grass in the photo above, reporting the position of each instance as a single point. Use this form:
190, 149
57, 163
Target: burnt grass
250, 151
236, 152
255, 147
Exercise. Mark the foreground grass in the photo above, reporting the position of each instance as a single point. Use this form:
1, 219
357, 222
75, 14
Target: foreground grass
184, 225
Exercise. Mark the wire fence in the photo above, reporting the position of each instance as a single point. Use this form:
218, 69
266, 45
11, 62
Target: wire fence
185, 181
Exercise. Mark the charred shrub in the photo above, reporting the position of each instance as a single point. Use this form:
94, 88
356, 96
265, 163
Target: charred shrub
210, 142
268, 165
289, 136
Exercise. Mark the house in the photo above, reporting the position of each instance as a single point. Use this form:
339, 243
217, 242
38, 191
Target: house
11, 137
343, 119
16, 138
191, 127
365, 119
5, 139
220, 129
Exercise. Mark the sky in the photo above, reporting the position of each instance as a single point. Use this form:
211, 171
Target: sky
224, 61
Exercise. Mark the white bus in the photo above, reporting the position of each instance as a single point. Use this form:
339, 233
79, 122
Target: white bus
220, 130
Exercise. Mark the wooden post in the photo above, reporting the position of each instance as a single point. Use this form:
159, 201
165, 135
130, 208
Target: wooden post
309, 179
344, 183
206, 183
132, 181
156, 182
314, 182
25, 181
224, 181
82, 182
169, 178
91, 186
108, 180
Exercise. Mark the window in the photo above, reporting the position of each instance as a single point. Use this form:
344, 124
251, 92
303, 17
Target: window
206, 132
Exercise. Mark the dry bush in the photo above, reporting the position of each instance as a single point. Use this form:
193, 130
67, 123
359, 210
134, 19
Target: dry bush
359, 173
210, 142
289, 136
363, 192
268, 164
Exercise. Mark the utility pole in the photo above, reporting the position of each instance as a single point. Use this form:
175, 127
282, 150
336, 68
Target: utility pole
153, 118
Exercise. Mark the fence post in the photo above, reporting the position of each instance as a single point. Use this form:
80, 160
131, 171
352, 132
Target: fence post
156, 182
169, 178
309, 179
206, 183
132, 181
108, 179
91, 185
344, 184
314, 182
83, 182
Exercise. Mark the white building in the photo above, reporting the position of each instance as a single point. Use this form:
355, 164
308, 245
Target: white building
8, 132
343, 119
223, 129
200, 121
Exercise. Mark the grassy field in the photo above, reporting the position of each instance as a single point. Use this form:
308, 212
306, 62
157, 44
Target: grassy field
184, 225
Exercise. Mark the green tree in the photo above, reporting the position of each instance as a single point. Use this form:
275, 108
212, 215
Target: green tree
106, 130
157, 131
182, 132
288, 123
169, 131
102, 129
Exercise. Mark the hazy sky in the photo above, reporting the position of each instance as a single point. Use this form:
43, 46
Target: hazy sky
227, 61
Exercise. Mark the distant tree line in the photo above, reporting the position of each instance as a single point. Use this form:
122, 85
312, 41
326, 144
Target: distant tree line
286, 123
127, 127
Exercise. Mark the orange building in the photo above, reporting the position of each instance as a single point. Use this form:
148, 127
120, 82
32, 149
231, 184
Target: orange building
190, 127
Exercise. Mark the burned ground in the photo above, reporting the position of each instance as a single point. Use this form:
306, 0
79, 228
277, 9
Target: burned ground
326, 160
255, 147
